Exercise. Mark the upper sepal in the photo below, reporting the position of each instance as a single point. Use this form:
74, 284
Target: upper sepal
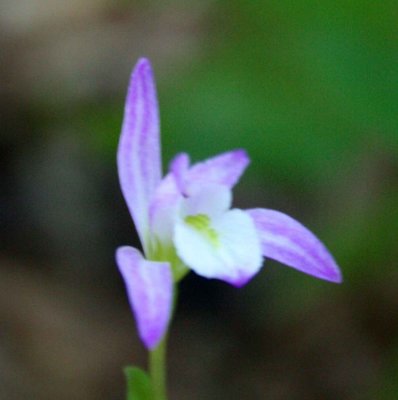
289, 242
138, 156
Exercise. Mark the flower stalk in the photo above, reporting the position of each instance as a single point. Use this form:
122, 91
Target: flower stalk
157, 370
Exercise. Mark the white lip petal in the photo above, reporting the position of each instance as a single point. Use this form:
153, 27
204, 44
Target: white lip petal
233, 256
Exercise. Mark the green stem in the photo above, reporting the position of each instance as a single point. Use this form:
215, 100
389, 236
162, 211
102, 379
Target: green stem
157, 370
157, 361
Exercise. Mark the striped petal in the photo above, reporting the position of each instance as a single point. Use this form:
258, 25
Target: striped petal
149, 287
287, 241
224, 169
138, 157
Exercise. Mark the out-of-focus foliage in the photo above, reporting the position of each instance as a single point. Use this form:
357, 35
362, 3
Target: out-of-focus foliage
305, 85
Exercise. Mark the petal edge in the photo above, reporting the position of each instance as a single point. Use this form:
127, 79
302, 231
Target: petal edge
223, 169
286, 240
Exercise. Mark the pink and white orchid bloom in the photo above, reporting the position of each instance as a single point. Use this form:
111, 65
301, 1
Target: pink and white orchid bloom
185, 220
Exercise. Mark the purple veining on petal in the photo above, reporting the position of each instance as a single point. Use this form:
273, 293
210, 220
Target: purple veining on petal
138, 155
149, 142
224, 169
149, 287
289, 242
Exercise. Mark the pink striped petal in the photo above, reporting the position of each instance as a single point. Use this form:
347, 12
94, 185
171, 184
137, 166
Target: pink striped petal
149, 287
224, 169
138, 157
287, 241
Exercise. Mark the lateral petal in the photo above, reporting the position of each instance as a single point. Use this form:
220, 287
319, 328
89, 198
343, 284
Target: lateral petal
227, 249
224, 169
289, 242
149, 287
138, 156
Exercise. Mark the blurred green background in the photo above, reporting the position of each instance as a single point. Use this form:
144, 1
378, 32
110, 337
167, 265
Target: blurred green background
309, 88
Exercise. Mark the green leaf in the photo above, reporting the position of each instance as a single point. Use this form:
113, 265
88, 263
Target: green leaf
138, 384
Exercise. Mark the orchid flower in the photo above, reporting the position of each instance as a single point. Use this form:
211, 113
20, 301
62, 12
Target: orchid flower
185, 221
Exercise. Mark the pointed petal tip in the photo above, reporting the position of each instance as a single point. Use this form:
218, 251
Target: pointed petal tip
142, 72
243, 154
180, 162
240, 156
326, 269
143, 62
331, 276
289, 242
334, 275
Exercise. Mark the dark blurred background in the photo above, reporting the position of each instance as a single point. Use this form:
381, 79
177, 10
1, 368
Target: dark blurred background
309, 88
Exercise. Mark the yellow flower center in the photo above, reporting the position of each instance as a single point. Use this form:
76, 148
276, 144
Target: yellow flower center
202, 223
